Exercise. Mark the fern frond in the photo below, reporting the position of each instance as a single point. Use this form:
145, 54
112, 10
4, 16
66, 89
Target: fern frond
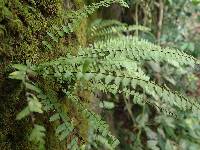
66, 127
141, 99
105, 29
137, 49
87, 10
34, 105
100, 126
76, 17
37, 136
157, 92
96, 72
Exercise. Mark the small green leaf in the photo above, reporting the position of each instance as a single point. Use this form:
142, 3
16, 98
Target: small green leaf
54, 117
115, 143
54, 38
34, 105
49, 46
79, 75
20, 67
126, 81
88, 76
107, 105
64, 135
18, 75
25, 112
152, 144
117, 80
32, 87
66, 29
133, 83
37, 136
99, 76
108, 79
60, 128
86, 66
61, 33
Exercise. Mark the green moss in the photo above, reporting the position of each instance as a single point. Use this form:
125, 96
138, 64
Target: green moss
78, 120
24, 25
81, 31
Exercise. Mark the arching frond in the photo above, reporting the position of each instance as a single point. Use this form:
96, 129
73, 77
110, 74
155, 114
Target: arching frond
105, 29
136, 49
103, 74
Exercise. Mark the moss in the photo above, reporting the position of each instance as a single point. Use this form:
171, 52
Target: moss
78, 120
23, 27
25, 24
81, 32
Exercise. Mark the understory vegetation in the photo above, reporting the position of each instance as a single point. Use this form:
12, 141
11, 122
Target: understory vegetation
99, 74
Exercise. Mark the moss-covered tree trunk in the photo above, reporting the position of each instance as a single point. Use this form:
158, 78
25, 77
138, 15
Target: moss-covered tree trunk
23, 27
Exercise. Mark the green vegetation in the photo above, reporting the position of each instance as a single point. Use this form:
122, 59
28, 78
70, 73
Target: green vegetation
71, 79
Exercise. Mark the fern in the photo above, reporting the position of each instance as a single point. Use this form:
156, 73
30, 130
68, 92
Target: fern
34, 105
137, 50
101, 127
108, 70
105, 29
65, 128
37, 136
75, 17
112, 66
87, 10
31, 91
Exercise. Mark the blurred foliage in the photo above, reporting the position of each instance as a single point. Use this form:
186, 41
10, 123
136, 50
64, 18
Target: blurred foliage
184, 31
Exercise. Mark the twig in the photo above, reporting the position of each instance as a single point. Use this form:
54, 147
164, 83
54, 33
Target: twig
160, 20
